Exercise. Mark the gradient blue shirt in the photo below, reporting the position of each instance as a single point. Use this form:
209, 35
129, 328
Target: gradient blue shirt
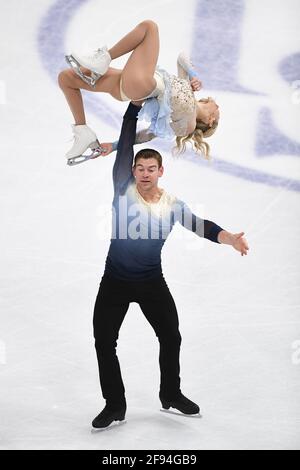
140, 229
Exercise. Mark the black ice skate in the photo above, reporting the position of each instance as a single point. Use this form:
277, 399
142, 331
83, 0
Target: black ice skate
107, 417
182, 404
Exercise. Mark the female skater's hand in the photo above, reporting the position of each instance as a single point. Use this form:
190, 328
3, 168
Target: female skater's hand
196, 84
240, 243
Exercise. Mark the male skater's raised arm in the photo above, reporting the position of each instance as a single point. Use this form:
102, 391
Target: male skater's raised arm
122, 170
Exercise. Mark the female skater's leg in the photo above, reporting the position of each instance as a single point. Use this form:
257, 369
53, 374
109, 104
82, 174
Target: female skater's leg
137, 75
71, 83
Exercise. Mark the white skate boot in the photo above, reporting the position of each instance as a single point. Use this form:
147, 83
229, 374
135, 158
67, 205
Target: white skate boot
97, 62
84, 138
186, 63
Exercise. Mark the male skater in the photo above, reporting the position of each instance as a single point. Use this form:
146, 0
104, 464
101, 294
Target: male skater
143, 217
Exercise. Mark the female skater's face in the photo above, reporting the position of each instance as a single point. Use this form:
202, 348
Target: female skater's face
209, 111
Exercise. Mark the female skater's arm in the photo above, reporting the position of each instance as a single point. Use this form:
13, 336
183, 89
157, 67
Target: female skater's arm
188, 72
182, 123
181, 72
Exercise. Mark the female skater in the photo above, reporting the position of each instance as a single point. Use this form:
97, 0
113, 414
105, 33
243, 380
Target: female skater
170, 103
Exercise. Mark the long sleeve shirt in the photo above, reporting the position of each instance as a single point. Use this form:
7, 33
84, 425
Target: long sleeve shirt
140, 228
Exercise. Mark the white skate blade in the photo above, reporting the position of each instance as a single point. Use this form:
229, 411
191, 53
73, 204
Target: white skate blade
111, 426
178, 413
83, 158
76, 67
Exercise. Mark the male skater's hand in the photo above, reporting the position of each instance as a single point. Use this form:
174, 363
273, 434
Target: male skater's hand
240, 243
107, 149
236, 240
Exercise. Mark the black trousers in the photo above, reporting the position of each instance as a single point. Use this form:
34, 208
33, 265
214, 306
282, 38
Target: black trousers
158, 306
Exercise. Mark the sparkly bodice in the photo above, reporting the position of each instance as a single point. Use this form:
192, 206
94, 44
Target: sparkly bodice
183, 104
173, 112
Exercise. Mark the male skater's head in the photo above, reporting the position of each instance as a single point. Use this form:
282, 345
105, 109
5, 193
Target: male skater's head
147, 168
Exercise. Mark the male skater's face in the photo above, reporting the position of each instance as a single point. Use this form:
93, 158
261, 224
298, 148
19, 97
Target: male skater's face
146, 173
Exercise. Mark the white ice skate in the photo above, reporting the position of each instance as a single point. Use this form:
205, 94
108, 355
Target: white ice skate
84, 138
97, 62
186, 63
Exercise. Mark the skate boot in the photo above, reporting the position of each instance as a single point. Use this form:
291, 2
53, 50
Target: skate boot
182, 404
84, 138
185, 62
97, 62
107, 417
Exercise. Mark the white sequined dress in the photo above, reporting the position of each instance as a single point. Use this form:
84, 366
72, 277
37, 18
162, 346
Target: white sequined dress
173, 112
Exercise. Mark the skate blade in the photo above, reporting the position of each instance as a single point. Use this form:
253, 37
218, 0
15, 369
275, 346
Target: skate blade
83, 158
178, 413
91, 81
111, 426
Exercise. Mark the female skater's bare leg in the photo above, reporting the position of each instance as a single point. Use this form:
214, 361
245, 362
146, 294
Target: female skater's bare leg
137, 75
71, 83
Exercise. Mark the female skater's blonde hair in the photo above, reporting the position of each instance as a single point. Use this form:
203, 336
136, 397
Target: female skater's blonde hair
201, 132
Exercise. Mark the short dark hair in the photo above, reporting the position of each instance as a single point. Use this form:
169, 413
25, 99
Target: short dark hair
148, 153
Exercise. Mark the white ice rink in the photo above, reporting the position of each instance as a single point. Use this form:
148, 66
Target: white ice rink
239, 316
